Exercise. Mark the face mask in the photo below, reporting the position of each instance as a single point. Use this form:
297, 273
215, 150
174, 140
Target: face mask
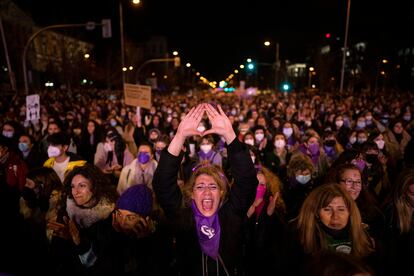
303, 179
241, 118
280, 144
143, 157
314, 148
288, 131
233, 112
169, 119
339, 123
53, 151
352, 140
407, 117
113, 123
361, 124
23, 147
107, 147
201, 128
360, 164
380, 144
249, 142
362, 140
30, 197
308, 123
8, 134
330, 143
259, 137
206, 148
368, 118
371, 158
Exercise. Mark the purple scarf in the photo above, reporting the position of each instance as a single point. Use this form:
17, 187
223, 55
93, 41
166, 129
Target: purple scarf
206, 156
208, 231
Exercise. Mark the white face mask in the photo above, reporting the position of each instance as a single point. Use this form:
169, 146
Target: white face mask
53, 151
339, 123
249, 142
8, 134
201, 128
352, 140
280, 144
107, 147
288, 131
303, 179
380, 144
206, 148
259, 137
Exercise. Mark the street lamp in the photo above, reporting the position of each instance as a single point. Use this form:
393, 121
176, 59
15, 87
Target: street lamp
277, 62
311, 69
121, 31
341, 86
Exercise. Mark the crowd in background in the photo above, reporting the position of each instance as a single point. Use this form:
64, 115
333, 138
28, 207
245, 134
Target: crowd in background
335, 173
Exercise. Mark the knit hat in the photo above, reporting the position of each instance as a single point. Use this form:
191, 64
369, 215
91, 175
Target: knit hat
137, 199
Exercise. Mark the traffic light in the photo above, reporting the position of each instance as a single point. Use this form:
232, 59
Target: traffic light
327, 35
106, 28
286, 87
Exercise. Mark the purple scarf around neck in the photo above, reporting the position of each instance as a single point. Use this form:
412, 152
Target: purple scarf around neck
206, 156
208, 232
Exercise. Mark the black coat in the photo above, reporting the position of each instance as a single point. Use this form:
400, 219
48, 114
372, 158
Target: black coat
231, 212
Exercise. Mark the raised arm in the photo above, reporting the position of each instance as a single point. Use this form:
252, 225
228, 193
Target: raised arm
242, 168
187, 127
164, 181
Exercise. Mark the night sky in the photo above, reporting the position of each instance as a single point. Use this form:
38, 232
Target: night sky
228, 31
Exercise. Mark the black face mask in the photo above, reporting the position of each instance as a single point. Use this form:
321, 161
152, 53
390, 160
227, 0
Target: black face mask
330, 143
43, 203
30, 197
371, 158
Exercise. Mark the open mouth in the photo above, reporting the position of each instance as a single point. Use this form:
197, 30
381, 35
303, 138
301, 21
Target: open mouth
207, 204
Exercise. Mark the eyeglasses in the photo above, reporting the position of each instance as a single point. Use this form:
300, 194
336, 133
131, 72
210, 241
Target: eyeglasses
203, 187
350, 182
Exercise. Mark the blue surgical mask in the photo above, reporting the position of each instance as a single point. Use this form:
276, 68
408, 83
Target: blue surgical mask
303, 179
23, 147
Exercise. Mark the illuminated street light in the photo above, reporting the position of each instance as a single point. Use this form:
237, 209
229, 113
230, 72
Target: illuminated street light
267, 43
86, 56
121, 27
131, 68
188, 65
175, 53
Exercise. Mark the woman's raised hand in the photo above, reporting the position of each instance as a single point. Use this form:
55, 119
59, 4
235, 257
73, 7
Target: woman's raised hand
220, 123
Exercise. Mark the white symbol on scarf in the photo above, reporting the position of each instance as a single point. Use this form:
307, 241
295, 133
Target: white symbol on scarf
209, 232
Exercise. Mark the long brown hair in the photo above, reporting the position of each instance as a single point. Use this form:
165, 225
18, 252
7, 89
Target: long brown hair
311, 235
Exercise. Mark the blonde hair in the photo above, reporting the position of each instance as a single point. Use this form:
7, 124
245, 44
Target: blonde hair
274, 185
205, 168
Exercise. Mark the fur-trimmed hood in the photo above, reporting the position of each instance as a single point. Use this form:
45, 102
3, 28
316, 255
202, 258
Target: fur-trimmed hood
85, 217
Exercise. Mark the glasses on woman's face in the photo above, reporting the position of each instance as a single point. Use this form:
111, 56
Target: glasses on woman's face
349, 182
204, 187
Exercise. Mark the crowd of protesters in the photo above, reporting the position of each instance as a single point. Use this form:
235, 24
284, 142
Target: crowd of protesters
208, 184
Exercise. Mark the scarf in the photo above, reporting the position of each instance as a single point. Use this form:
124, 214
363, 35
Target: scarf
206, 156
85, 217
208, 232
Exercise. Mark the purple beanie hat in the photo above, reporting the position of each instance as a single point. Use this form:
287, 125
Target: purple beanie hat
137, 199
